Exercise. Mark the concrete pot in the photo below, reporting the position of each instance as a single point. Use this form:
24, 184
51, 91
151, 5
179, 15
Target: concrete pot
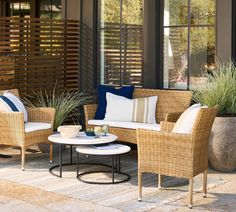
222, 146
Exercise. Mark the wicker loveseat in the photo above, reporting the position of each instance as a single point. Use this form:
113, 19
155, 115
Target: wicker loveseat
15, 132
169, 102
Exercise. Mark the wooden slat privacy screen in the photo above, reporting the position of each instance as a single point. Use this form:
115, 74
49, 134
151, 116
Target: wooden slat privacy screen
36, 53
123, 53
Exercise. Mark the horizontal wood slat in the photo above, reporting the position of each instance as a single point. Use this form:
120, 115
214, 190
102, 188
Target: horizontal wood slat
37, 53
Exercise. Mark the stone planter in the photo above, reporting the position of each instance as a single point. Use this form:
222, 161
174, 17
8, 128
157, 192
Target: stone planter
222, 146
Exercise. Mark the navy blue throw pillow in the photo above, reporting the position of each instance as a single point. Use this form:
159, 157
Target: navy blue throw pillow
126, 91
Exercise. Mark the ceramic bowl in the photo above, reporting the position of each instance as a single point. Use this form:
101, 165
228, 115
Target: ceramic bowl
69, 131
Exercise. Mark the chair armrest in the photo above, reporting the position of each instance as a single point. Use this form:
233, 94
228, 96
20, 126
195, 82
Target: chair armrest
167, 126
152, 142
172, 117
12, 129
89, 112
41, 114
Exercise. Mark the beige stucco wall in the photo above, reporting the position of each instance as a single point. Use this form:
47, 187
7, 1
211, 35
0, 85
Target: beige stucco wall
73, 9
224, 29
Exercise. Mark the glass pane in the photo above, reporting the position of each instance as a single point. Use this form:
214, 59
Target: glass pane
175, 57
132, 12
175, 12
202, 47
45, 9
15, 9
110, 56
203, 12
110, 42
56, 9
25, 10
110, 11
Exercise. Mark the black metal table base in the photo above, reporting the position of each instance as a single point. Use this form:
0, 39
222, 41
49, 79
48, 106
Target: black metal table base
115, 169
114, 181
51, 170
58, 166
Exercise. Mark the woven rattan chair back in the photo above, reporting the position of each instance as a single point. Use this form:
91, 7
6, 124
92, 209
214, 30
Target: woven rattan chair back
13, 91
169, 101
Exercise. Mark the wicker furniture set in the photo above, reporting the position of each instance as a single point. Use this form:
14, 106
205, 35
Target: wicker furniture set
159, 151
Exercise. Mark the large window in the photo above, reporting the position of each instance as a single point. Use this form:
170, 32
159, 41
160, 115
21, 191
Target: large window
19, 9
50, 9
121, 42
189, 42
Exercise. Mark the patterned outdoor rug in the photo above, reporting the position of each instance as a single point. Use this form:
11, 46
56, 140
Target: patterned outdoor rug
119, 196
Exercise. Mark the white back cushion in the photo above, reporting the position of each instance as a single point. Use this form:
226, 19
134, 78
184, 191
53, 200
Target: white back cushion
20, 106
4, 107
118, 108
141, 110
186, 121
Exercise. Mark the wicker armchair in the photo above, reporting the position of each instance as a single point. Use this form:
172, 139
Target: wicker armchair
179, 155
12, 129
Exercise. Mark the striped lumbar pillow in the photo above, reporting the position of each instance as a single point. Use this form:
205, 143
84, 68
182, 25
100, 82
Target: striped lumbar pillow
137, 110
18, 104
144, 110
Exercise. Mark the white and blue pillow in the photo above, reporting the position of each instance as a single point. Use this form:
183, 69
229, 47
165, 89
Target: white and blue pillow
11, 103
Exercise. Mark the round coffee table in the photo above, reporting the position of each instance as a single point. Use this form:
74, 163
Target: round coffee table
113, 150
81, 139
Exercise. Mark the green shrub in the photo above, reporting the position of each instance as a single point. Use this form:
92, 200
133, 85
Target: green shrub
66, 103
220, 89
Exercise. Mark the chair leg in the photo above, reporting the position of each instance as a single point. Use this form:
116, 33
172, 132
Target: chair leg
23, 158
190, 194
205, 184
159, 181
140, 186
51, 153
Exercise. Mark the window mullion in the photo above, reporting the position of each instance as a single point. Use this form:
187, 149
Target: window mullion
188, 48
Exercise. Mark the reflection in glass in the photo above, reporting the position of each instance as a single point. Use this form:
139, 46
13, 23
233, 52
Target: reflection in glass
50, 9
20, 10
202, 12
176, 12
176, 57
121, 38
189, 42
202, 50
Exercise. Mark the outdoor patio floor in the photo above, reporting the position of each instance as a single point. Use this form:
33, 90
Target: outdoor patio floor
37, 190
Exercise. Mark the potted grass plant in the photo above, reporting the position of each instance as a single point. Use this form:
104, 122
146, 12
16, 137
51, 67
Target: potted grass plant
66, 103
220, 90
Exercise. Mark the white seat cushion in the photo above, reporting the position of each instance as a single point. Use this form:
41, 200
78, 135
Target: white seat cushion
33, 126
128, 125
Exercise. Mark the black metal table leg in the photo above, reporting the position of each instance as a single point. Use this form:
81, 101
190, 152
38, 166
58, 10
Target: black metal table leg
118, 164
112, 168
60, 159
77, 164
71, 154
